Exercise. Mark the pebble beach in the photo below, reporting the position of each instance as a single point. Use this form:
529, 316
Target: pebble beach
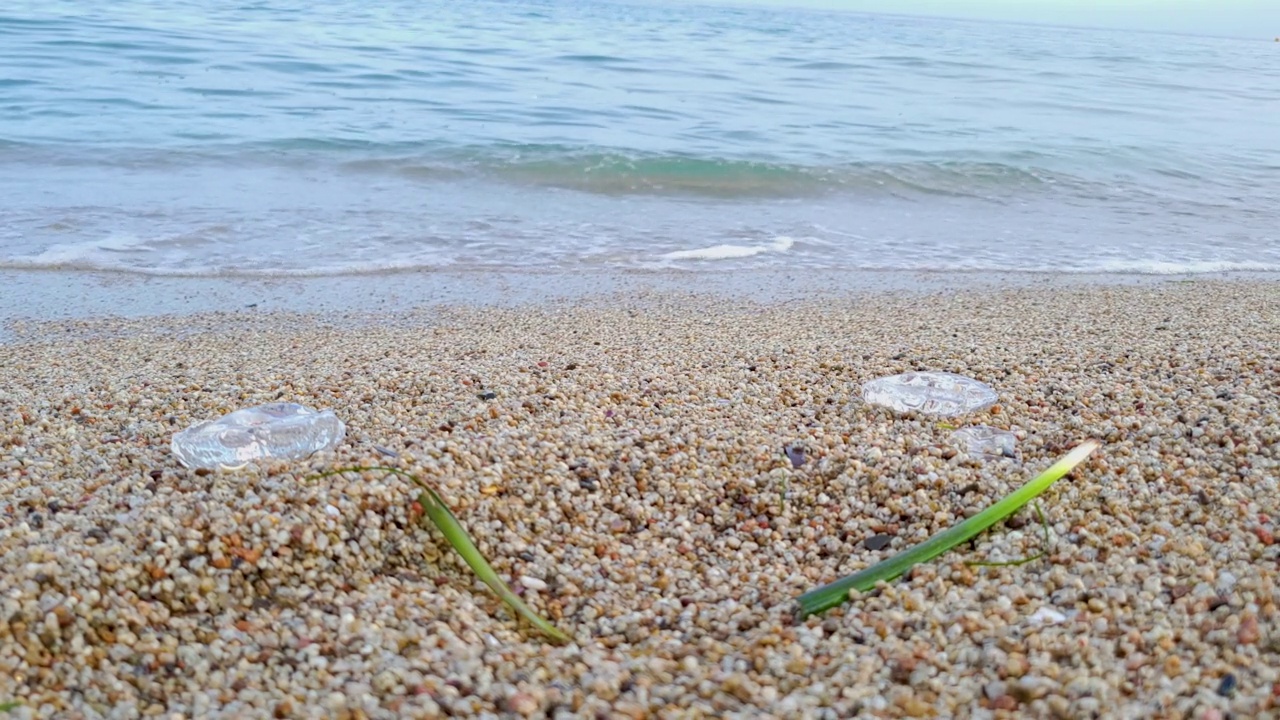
623, 463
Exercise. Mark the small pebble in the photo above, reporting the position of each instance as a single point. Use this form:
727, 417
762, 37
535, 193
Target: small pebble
877, 542
1227, 685
532, 583
796, 455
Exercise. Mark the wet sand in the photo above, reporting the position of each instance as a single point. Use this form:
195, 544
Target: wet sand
620, 460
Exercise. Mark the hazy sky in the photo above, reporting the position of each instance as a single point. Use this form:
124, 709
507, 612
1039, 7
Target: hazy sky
1242, 18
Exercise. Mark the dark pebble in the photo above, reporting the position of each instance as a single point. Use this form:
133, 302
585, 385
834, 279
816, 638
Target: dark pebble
900, 670
877, 542
487, 395
1227, 685
795, 454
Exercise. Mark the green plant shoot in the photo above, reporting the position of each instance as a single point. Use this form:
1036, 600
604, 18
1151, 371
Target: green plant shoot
837, 592
435, 509
1044, 549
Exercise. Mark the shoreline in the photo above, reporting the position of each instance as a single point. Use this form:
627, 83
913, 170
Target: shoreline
628, 475
36, 295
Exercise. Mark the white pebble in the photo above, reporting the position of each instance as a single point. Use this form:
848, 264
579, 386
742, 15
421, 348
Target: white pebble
533, 583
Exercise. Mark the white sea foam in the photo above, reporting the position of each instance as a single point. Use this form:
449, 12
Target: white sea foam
129, 255
108, 249
727, 251
1186, 267
176, 256
355, 269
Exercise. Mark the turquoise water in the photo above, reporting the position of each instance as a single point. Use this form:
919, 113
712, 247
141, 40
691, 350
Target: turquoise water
276, 137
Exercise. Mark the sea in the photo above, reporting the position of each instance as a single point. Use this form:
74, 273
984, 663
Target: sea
341, 138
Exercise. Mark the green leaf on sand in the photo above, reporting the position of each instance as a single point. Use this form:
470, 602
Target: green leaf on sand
7, 706
837, 592
439, 514
1044, 525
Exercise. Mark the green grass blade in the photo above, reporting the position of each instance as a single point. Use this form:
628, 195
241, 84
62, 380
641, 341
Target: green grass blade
837, 592
7, 706
1044, 549
438, 512
461, 541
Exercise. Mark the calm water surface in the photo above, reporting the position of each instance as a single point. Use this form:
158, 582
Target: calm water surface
277, 137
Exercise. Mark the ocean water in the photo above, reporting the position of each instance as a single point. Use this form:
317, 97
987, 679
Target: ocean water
288, 138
